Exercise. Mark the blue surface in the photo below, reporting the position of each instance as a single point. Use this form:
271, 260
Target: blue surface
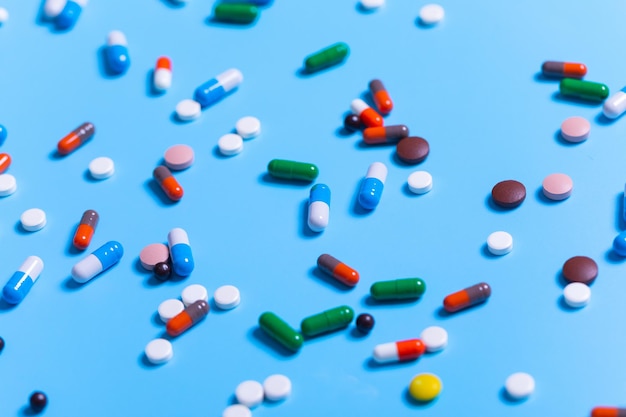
470, 86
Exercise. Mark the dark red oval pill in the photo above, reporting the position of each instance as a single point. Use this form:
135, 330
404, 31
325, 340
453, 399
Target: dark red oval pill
508, 194
580, 269
412, 149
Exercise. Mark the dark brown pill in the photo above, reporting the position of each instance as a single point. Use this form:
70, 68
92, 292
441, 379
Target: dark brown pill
352, 123
412, 150
38, 401
508, 194
580, 269
1, 344
365, 323
162, 270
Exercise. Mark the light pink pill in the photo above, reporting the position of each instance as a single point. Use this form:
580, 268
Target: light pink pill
179, 157
575, 129
557, 186
153, 254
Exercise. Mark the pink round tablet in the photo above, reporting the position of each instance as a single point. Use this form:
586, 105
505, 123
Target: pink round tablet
153, 254
179, 157
557, 186
575, 129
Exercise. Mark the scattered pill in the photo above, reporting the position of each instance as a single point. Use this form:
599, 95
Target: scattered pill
237, 410
519, 385
404, 350
216, 88
4, 15
162, 77
159, 351
619, 244
3, 134
38, 401
70, 13
319, 207
187, 110
508, 194
248, 127
369, 117
580, 269
180, 252
398, 289
22, 280
179, 157
384, 134
193, 293
98, 261
292, 170
52, 8
500, 243
243, 13
608, 412
585, 90
1, 344
152, 254
101, 168
85, 230
372, 186
227, 297
576, 294
425, 387
467, 297
327, 57
327, 321
76, 138
563, 69
170, 186
612, 108
575, 129
372, 4
352, 123
431, 14
33, 219
280, 331
162, 271
116, 53
8, 185
435, 338
249, 393
381, 97
338, 270
230, 144
276, 387
412, 150
187, 318
365, 322
420, 182
169, 309
557, 187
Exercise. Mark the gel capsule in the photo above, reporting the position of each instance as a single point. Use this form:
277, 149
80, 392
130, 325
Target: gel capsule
327, 57
384, 134
98, 261
280, 331
586, 90
5, 162
69, 14
187, 318
85, 230
563, 69
466, 298
180, 252
319, 207
172, 189
116, 53
398, 289
615, 105
381, 97
22, 280
368, 115
608, 412
236, 12
216, 88
338, 270
292, 170
372, 186
76, 138
162, 77
404, 350
327, 321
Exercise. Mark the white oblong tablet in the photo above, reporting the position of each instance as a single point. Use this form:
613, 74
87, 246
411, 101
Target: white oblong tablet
248, 127
237, 410
8, 185
230, 144
193, 293
435, 338
101, 168
249, 393
159, 351
226, 297
188, 109
169, 309
277, 387
519, 385
372, 4
33, 219
577, 294
500, 243
431, 14
420, 182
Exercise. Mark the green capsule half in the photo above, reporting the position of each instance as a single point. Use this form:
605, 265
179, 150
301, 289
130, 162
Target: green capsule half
236, 12
280, 331
586, 90
398, 289
327, 57
292, 170
327, 321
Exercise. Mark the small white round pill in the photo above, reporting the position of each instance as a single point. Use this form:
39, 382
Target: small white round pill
277, 387
188, 109
420, 182
237, 410
431, 14
159, 351
230, 144
248, 127
577, 294
193, 293
372, 4
169, 309
435, 338
101, 168
33, 219
8, 185
519, 385
226, 297
500, 243
249, 393
4, 15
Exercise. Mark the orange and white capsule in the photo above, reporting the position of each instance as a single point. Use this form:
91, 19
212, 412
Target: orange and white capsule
163, 74
381, 97
404, 350
163, 176
338, 270
5, 161
86, 229
368, 115
76, 138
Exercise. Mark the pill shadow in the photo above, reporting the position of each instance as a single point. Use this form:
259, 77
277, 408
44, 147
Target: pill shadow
89, 178
158, 194
540, 77
55, 155
422, 25
342, 132
173, 4
613, 258
144, 363
563, 306
156, 320
70, 285
4, 306
40, 18
150, 90
560, 280
356, 334
328, 281
103, 67
213, 21
491, 205
219, 155
541, 197
412, 402
364, 10
260, 338
507, 399
370, 301
266, 179
370, 364
602, 120
406, 190
558, 138
305, 230
28, 411
484, 250
357, 208
444, 314
215, 309
19, 229
71, 250
176, 120
560, 98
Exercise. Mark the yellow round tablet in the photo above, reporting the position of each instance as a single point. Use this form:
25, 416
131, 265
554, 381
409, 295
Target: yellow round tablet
425, 387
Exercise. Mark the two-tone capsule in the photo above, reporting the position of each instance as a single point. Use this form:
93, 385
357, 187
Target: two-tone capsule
338, 270
75, 138
563, 69
585, 90
98, 261
327, 57
319, 207
467, 297
243, 13
381, 97
292, 170
404, 350
368, 115
22, 280
68, 16
615, 105
327, 321
116, 55
85, 230
191, 315
385, 134
5, 162
608, 412
398, 289
162, 76
170, 186
180, 252
372, 186
280, 331
217, 88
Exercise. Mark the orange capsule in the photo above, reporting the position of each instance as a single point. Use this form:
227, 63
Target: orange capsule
385, 134
187, 318
368, 115
381, 97
608, 412
5, 161
85, 229
466, 298
168, 183
76, 138
338, 270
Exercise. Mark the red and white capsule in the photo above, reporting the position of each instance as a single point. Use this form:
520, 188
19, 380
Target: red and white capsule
368, 115
404, 350
163, 74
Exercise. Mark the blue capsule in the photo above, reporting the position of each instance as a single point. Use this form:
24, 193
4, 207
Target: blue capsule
22, 280
619, 244
180, 252
69, 14
116, 53
372, 186
98, 261
216, 88
319, 207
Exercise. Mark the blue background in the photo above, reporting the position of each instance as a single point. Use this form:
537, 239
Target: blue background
470, 86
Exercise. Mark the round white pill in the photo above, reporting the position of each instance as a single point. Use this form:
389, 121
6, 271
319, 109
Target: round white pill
8, 185
420, 182
248, 127
33, 219
372, 4
277, 387
519, 385
169, 309
249, 393
101, 168
4, 15
237, 410
188, 109
435, 338
159, 351
226, 297
230, 144
193, 293
577, 294
500, 243
431, 14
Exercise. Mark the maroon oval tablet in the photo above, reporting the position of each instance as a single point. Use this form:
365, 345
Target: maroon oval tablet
580, 269
412, 149
508, 194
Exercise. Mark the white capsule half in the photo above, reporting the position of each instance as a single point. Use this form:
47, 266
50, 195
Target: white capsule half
53, 8
230, 79
319, 213
176, 236
162, 79
615, 105
32, 266
377, 170
386, 352
86, 269
358, 106
116, 37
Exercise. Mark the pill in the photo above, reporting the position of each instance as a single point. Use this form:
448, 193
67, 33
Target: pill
159, 351
612, 108
162, 271
22, 280
5, 162
33, 219
237, 410
276, 387
4, 15
69, 14
369, 117
3, 134
193, 293
575, 129
179, 157
420, 182
557, 187
75, 138
98, 261
216, 88
230, 144
381, 97
327, 321
384, 134
85, 230
508, 194
180, 252
412, 150
227, 297
169, 309
425, 387
38, 401
170, 186
576, 294
191, 315
280, 331
152, 254
371, 4
248, 127
519, 385
404, 350
116, 53
563, 69
352, 123
249, 393
586, 90
365, 323
467, 297
243, 13
101, 168
187, 110
338, 270
431, 14
435, 338
372, 186
398, 289
580, 269
500, 243
8, 185
327, 57
1, 344
319, 207
608, 412
619, 244
162, 76
292, 170
52, 8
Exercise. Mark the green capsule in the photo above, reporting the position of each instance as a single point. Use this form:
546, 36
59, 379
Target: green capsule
586, 90
236, 12
280, 331
398, 289
327, 57
292, 170
327, 321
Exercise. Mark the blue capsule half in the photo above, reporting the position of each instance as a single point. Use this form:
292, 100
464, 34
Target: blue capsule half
180, 252
69, 15
372, 186
216, 88
116, 55
22, 280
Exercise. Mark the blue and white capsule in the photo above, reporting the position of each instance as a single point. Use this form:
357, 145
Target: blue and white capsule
98, 261
180, 252
116, 53
372, 186
319, 207
68, 16
615, 105
22, 280
215, 89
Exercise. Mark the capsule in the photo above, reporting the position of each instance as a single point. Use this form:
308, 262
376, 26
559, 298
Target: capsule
327, 321
280, 331
384, 134
404, 350
319, 207
381, 97
398, 289
216, 88
338, 270
608, 412
466, 298
68, 16
586, 90
191, 315
85, 230
76, 138
236, 12
615, 105
563, 69
22, 280
292, 170
180, 252
372, 186
116, 53
327, 57
368, 115
172, 189
5, 162
162, 77
98, 261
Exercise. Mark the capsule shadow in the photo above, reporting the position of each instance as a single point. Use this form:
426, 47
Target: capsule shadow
560, 98
323, 336
267, 179
260, 338
540, 77
366, 96
602, 120
412, 402
620, 224
173, 4
158, 194
370, 364
150, 90
357, 208
302, 72
507, 399
71, 249
4, 306
356, 334
41, 19
28, 411
70, 285
213, 21
329, 281
305, 230
55, 155
370, 301
613, 258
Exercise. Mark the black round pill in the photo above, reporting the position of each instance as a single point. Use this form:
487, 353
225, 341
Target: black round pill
162, 271
352, 123
38, 401
365, 322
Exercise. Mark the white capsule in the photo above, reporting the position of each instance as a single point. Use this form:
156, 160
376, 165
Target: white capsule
53, 8
615, 105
